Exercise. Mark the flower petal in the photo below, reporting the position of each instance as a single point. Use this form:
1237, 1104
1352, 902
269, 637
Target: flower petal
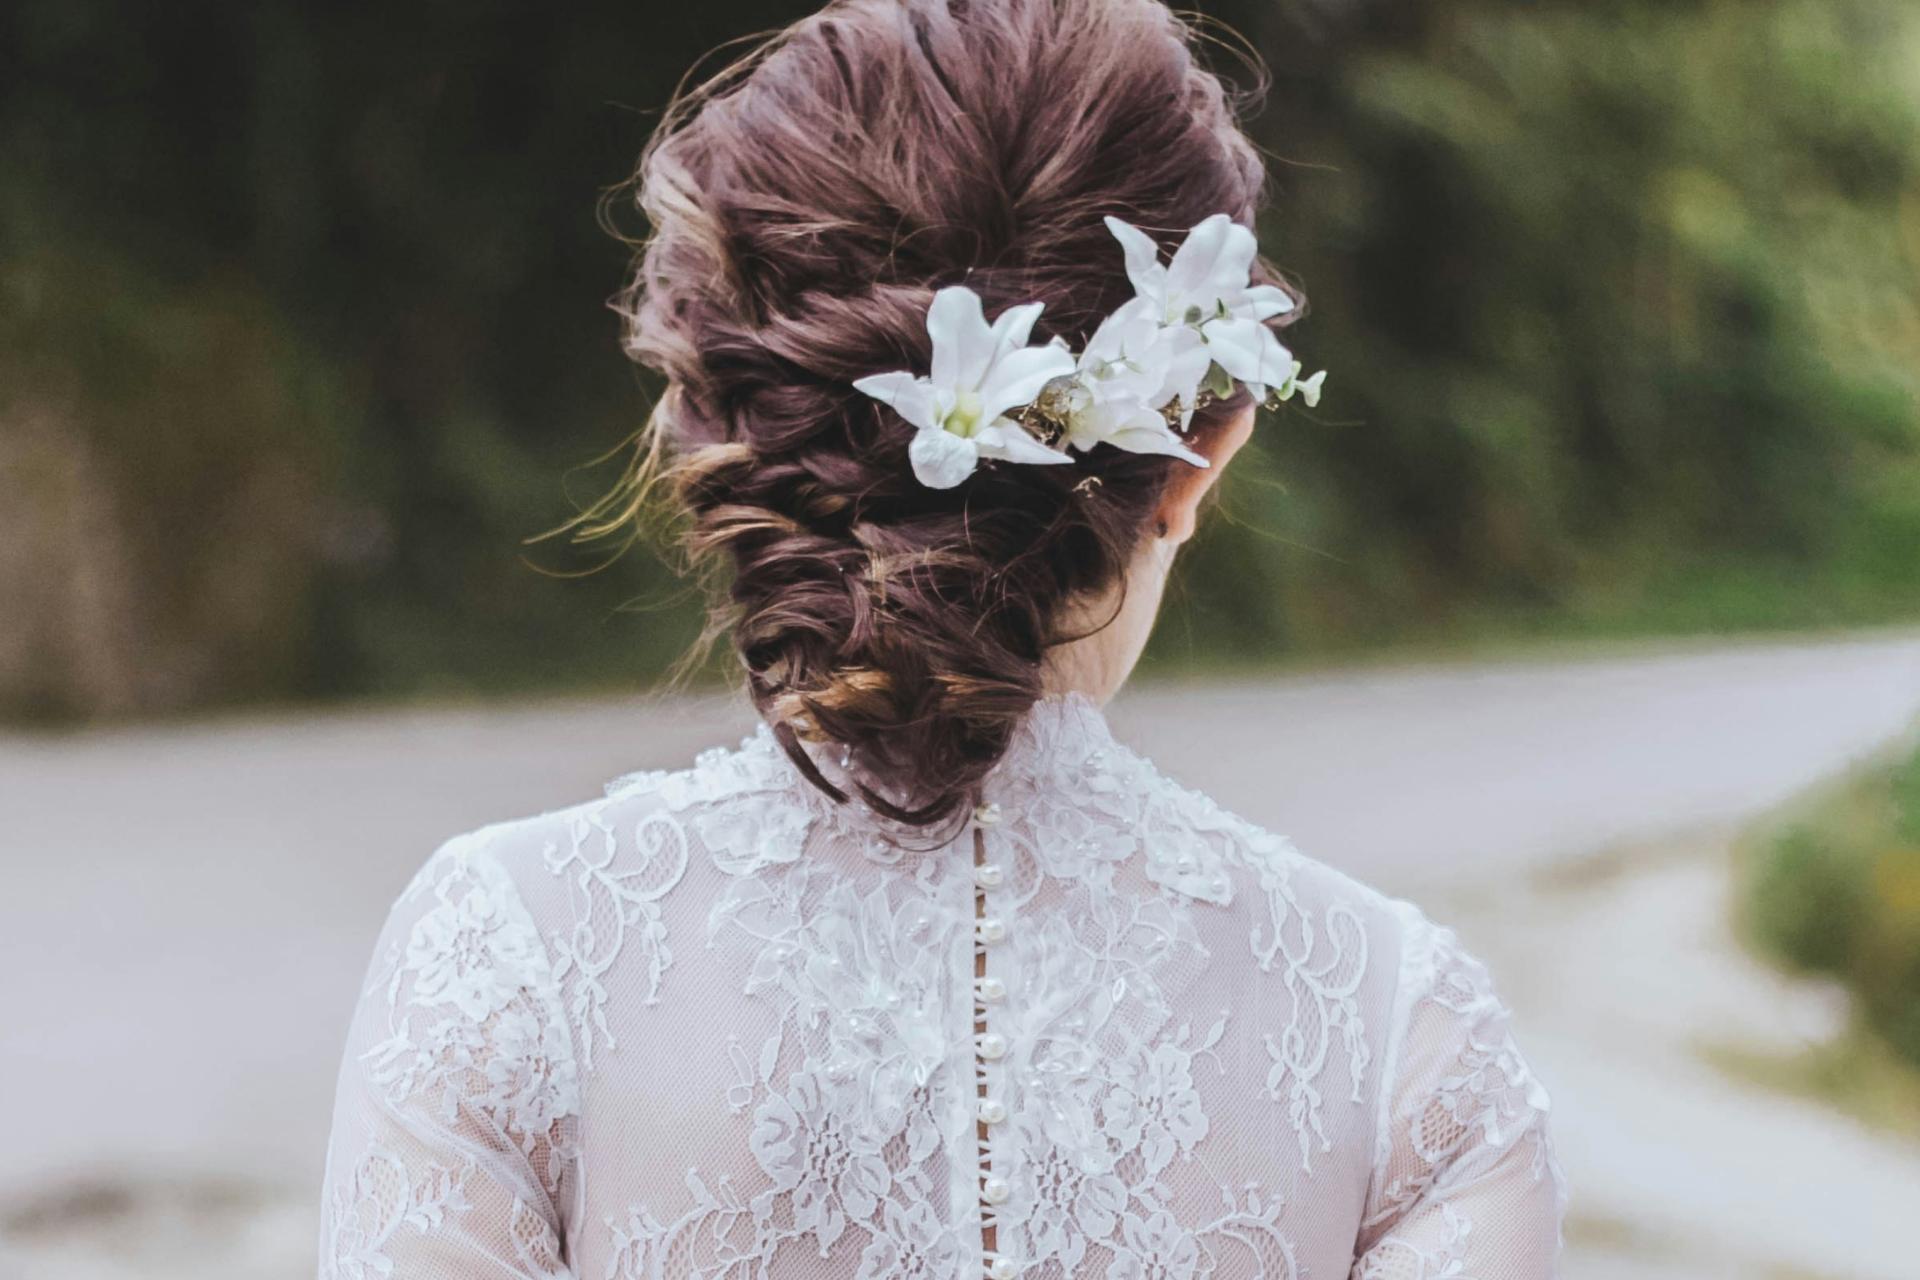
963, 345
1016, 378
1264, 301
1161, 439
1099, 420
1143, 259
1012, 327
1108, 342
1185, 369
941, 459
1007, 440
1213, 262
910, 397
1248, 350
1142, 429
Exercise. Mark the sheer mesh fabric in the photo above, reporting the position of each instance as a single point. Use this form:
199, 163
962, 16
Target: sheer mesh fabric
715, 1025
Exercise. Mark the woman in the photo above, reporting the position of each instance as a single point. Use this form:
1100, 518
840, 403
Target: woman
960, 318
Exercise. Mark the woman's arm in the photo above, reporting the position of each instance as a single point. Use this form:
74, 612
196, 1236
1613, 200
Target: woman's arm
458, 1100
1465, 1181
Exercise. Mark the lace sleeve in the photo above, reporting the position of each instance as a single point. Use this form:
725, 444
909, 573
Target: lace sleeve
1465, 1181
453, 1128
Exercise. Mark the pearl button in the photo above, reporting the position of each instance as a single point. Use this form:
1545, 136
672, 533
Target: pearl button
992, 990
992, 930
992, 1110
987, 815
1002, 1268
995, 1190
987, 875
993, 1045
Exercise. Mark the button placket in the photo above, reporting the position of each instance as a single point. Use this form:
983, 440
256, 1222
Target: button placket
990, 1045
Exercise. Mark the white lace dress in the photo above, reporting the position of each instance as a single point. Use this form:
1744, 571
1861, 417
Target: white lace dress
716, 1025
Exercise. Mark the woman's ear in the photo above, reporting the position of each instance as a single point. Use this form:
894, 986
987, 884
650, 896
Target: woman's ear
1179, 509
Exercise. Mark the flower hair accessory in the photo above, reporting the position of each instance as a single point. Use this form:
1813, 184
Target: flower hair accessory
1194, 327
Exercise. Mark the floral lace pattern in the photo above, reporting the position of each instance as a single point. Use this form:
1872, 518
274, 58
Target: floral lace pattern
609, 904
1476, 1122
378, 1198
463, 1036
715, 1025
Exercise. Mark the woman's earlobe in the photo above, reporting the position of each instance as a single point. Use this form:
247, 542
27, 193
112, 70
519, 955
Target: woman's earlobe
1180, 505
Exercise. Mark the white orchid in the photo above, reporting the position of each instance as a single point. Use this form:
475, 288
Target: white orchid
1132, 368
1196, 323
1207, 286
980, 371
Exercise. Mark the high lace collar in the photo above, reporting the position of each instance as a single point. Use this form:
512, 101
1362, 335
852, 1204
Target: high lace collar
1063, 770
1060, 737
1063, 737
1054, 745
1066, 778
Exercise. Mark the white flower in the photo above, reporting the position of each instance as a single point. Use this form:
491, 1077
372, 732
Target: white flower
1207, 286
980, 371
1196, 322
1132, 368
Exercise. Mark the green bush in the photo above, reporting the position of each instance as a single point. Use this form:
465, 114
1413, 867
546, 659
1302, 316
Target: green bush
1838, 892
1805, 896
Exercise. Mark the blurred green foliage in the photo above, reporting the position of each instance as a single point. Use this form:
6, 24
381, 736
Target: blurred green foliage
302, 335
1621, 301
1837, 892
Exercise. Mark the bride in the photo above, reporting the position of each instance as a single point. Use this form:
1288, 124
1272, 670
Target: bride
960, 318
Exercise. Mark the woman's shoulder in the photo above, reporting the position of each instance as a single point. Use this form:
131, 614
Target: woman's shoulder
1425, 1033
1458, 1104
1301, 910
1234, 855
639, 817
742, 810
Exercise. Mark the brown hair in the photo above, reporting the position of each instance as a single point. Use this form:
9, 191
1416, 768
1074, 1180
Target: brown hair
804, 205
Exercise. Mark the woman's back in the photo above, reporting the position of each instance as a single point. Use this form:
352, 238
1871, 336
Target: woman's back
960, 314
716, 1024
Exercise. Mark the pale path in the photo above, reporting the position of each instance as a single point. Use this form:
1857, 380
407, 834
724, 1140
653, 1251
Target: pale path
1681, 1171
1411, 778
157, 879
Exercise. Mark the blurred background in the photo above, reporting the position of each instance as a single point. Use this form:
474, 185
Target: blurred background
1589, 598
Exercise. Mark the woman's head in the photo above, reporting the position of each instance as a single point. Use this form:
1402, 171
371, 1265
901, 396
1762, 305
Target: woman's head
804, 208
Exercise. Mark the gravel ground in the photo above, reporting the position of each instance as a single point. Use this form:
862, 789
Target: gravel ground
193, 906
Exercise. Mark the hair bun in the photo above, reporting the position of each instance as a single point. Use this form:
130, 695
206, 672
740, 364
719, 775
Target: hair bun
805, 204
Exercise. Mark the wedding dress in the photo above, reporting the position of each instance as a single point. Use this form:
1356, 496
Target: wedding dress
715, 1024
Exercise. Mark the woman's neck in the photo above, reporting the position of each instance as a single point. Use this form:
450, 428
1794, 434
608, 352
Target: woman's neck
1109, 632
